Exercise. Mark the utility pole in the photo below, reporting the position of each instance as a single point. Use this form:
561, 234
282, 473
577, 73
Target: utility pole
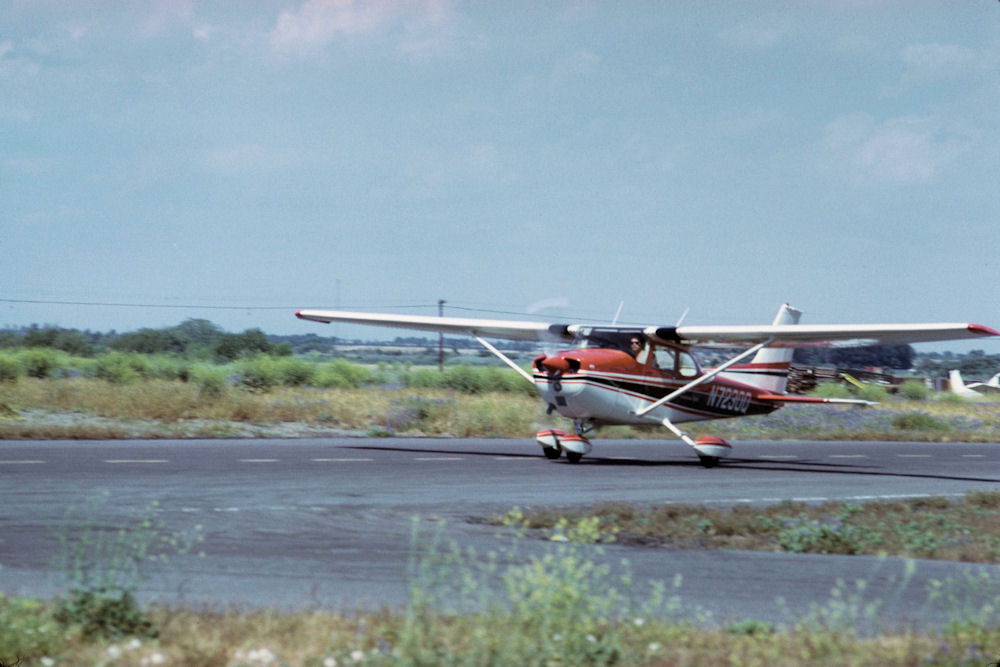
441, 338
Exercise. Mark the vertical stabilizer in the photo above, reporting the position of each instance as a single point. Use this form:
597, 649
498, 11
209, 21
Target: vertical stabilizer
769, 368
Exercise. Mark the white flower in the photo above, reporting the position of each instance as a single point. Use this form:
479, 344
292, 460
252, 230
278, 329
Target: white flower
47, 662
639, 622
114, 652
261, 656
134, 644
357, 655
330, 662
654, 647
154, 659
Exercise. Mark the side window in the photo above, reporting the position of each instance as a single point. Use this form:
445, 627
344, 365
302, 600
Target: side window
664, 358
642, 355
686, 365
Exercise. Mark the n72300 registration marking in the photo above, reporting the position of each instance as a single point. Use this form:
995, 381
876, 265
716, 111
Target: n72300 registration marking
729, 399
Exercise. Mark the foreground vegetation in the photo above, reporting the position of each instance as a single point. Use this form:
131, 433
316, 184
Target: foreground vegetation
556, 606
967, 530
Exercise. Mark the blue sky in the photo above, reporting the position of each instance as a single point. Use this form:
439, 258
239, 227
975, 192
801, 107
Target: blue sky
236, 161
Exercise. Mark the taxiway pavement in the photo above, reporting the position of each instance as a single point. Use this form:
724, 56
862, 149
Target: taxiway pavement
327, 522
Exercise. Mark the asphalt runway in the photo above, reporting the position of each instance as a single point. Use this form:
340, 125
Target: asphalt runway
327, 522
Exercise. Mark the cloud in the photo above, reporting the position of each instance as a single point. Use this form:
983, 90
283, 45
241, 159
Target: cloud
909, 149
317, 23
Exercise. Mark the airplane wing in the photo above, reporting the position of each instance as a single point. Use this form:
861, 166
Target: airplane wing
465, 326
820, 335
781, 335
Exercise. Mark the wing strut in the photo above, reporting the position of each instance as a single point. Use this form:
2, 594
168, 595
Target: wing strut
703, 379
507, 360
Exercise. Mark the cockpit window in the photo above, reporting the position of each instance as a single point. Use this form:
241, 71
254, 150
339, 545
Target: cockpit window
615, 339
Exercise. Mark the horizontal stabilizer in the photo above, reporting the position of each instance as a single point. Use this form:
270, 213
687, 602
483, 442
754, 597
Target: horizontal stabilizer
785, 398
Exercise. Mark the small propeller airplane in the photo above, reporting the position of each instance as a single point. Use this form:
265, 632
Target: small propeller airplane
648, 375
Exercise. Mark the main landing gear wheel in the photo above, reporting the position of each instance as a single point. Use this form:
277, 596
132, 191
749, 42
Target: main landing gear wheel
711, 449
552, 453
573, 457
708, 461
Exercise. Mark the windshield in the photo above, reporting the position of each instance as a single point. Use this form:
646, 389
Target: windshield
616, 339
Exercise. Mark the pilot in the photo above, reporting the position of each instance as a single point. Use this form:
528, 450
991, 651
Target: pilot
634, 346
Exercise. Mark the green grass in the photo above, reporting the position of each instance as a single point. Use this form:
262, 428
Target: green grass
167, 399
560, 606
965, 530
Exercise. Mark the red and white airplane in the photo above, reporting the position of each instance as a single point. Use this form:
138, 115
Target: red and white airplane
648, 375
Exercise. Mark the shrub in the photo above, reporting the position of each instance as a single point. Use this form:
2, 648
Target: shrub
831, 390
122, 367
295, 372
260, 373
341, 374
914, 390
919, 421
27, 631
213, 385
104, 613
874, 393
39, 362
10, 370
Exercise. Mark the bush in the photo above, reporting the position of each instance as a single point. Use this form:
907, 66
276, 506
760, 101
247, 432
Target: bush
27, 631
104, 613
914, 390
874, 393
122, 367
260, 373
10, 370
342, 374
831, 390
919, 421
295, 372
40, 363
213, 385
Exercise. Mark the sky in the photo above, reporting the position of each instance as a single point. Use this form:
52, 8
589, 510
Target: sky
166, 160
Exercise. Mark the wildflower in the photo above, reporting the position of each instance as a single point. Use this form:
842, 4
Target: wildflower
114, 652
153, 659
330, 662
134, 644
47, 662
654, 647
639, 622
357, 655
591, 638
260, 656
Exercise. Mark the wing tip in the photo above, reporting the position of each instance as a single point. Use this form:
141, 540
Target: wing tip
980, 330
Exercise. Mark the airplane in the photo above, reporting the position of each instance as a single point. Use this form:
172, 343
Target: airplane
974, 389
642, 375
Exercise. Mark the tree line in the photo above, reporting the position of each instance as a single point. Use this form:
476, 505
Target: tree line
203, 339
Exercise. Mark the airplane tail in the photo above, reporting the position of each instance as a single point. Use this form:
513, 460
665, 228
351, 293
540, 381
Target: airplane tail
769, 368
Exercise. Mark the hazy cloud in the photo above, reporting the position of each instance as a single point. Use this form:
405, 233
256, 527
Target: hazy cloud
909, 149
316, 23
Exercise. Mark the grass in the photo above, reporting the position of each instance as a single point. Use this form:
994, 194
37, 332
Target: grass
555, 607
221, 402
209, 638
967, 530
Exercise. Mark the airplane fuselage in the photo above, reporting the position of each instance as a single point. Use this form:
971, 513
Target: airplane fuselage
609, 386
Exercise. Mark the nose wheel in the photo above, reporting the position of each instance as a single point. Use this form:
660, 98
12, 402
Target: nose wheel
554, 442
